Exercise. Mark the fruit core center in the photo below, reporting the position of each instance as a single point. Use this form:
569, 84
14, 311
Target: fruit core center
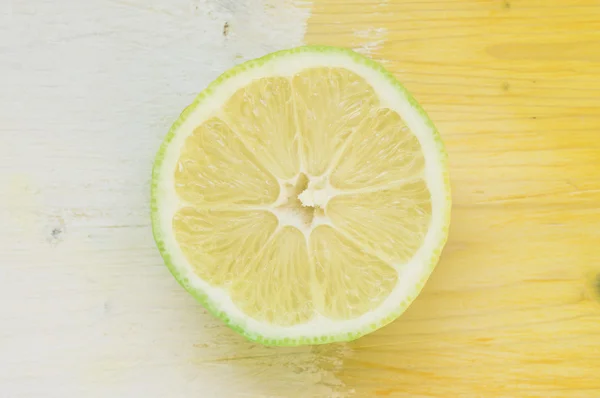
305, 200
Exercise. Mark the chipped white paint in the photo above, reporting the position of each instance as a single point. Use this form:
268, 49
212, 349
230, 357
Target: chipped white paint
88, 90
368, 41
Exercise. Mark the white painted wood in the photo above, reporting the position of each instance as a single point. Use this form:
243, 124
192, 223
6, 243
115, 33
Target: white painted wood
88, 89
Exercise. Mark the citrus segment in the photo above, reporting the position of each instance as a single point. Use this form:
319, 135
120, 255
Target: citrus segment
390, 223
330, 104
216, 169
262, 115
350, 281
275, 287
381, 151
220, 244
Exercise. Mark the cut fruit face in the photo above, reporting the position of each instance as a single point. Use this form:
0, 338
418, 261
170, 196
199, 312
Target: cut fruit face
303, 197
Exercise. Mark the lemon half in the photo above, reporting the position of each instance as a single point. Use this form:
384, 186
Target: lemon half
303, 197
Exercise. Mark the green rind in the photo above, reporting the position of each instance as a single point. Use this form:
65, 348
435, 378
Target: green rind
200, 295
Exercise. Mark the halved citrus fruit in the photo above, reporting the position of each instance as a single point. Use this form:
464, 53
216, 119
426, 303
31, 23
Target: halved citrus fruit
303, 197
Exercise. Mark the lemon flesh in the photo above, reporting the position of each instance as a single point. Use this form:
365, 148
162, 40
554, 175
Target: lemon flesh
303, 198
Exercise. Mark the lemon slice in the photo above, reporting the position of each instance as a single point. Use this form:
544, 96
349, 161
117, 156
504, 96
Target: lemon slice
303, 197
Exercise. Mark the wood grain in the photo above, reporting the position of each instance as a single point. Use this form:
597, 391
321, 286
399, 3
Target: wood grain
514, 87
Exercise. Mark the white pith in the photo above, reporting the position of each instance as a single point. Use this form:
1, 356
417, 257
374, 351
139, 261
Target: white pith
411, 274
318, 193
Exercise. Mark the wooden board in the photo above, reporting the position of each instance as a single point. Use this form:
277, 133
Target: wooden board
87, 92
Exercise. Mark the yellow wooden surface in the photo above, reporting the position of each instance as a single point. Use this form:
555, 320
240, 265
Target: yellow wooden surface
514, 87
